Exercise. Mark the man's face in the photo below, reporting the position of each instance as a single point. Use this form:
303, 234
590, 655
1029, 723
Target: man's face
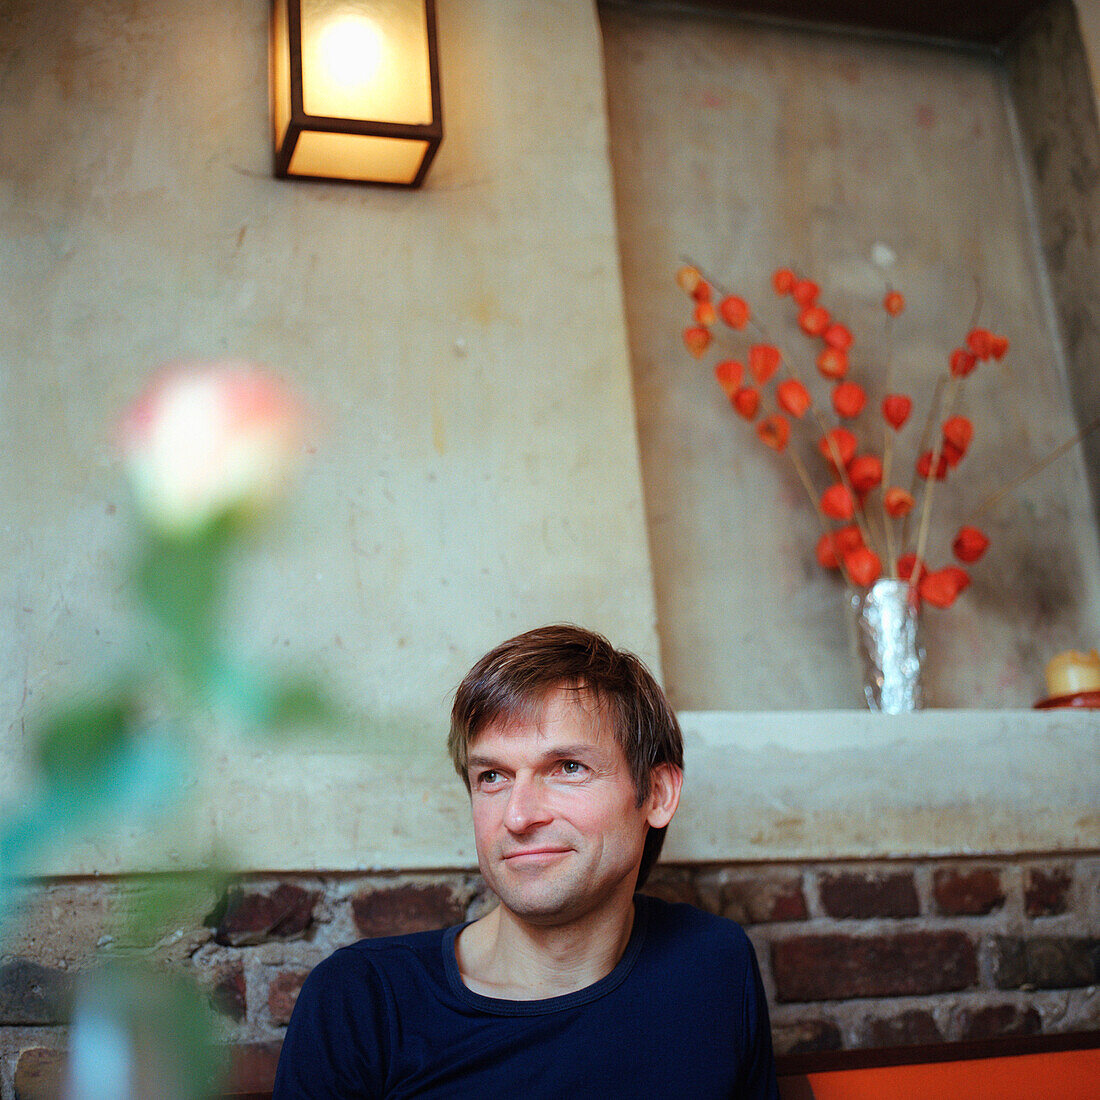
556, 821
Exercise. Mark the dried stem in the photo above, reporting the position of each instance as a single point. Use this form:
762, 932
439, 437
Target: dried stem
950, 394
788, 364
934, 410
1001, 493
804, 475
888, 453
887, 525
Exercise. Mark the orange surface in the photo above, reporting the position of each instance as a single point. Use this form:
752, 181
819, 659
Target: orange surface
1058, 1075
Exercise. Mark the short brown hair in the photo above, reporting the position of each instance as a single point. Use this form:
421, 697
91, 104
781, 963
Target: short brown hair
513, 680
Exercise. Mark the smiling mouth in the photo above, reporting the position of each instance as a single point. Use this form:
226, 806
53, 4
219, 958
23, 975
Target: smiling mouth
536, 853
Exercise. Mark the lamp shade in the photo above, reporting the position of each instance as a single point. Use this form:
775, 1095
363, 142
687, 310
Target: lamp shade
355, 89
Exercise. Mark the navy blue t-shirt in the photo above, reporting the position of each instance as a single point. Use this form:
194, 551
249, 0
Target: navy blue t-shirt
683, 1014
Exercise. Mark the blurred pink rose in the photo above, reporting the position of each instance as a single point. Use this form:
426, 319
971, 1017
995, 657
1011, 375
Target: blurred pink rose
207, 439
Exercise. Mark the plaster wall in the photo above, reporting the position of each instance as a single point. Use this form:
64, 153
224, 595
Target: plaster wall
475, 468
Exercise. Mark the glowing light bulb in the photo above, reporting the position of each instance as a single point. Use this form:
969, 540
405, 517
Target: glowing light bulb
350, 50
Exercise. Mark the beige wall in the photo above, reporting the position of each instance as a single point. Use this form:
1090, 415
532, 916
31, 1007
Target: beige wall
477, 471
1088, 15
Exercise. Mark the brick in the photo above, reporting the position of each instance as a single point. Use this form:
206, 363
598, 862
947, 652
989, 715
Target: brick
245, 918
227, 992
39, 1073
837, 967
863, 895
996, 1020
909, 1028
33, 994
967, 893
806, 1036
1046, 891
252, 1067
674, 885
394, 910
282, 993
764, 899
1045, 962
60, 924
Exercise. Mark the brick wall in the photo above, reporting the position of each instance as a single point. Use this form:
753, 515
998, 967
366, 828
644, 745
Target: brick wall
853, 954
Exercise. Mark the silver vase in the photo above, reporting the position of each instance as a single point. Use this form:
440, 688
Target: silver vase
888, 649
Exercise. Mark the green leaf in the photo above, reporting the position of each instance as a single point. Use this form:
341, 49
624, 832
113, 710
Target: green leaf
160, 903
78, 744
299, 702
275, 704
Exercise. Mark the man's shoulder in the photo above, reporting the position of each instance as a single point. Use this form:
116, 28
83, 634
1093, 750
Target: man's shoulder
369, 958
690, 918
692, 929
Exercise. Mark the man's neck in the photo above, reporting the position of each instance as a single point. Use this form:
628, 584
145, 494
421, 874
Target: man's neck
503, 956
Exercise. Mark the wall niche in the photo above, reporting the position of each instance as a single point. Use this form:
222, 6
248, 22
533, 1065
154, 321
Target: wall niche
958, 163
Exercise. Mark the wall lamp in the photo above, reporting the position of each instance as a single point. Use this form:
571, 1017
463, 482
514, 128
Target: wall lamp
355, 89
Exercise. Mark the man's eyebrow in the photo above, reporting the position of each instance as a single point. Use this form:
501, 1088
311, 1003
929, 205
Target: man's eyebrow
473, 762
557, 752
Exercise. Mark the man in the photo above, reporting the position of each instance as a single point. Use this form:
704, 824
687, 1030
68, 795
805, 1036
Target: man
574, 985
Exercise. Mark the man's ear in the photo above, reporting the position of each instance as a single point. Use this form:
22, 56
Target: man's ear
665, 781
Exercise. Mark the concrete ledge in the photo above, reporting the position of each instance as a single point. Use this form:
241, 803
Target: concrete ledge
776, 786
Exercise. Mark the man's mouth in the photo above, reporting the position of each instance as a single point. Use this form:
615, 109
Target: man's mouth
535, 854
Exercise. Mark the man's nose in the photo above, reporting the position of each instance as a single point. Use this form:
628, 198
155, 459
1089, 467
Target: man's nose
527, 805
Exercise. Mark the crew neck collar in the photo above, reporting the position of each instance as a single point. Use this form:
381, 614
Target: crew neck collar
541, 1006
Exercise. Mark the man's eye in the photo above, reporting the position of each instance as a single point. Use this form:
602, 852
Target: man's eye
489, 777
572, 767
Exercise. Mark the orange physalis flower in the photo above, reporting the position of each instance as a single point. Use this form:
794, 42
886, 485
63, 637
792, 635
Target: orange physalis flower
842, 442
960, 576
805, 292
863, 566
897, 502
729, 374
688, 278
848, 538
775, 431
735, 311
837, 503
941, 587
826, 552
848, 399
980, 342
793, 397
951, 454
865, 472
746, 401
893, 303
998, 346
705, 313
701, 293
907, 563
962, 362
763, 362
838, 336
839, 542
813, 320
696, 339
896, 408
970, 544
924, 466
783, 281
833, 363
958, 431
